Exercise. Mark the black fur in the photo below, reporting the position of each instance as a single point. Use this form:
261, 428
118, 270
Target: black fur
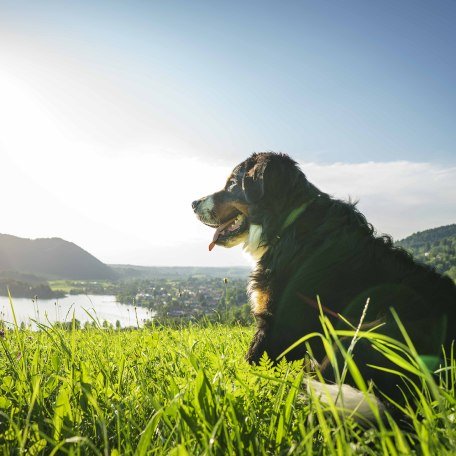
332, 252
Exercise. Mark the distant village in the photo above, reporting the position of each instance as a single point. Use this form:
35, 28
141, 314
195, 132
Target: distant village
178, 297
194, 296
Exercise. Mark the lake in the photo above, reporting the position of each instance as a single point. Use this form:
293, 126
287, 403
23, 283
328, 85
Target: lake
52, 310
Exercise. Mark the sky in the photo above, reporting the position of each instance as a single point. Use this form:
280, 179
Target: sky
115, 115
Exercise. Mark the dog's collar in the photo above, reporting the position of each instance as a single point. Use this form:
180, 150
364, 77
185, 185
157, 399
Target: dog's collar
294, 214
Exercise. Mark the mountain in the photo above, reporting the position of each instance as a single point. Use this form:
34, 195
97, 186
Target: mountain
51, 258
436, 247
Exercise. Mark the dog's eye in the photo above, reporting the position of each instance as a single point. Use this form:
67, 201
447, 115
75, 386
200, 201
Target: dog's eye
231, 184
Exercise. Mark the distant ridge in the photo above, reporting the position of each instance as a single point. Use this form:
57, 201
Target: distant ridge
128, 271
432, 235
51, 258
436, 247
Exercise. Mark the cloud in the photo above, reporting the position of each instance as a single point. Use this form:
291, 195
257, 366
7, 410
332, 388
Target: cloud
398, 198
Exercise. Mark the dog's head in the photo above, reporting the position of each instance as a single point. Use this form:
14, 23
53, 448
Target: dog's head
256, 199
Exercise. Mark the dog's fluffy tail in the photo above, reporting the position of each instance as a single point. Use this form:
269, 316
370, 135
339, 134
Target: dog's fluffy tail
348, 401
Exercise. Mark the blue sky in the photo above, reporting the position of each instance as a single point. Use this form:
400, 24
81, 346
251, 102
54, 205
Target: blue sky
125, 87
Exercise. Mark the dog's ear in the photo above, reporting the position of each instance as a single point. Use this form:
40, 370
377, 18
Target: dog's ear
253, 183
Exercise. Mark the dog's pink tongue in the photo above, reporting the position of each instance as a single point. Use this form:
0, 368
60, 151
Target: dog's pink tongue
217, 234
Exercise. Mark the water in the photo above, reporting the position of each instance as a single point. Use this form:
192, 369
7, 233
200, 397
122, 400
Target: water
52, 310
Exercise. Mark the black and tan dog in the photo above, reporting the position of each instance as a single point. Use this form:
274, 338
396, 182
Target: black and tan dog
307, 244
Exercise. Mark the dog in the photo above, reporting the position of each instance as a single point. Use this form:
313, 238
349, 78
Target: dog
315, 254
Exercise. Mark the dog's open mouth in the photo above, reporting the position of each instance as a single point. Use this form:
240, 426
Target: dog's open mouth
229, 229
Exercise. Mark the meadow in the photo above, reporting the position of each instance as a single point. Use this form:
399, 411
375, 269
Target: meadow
188, 391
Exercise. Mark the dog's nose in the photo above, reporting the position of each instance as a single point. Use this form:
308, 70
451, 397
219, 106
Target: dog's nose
195, 204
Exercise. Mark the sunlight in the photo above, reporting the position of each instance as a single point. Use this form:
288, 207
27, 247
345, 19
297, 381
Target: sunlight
142, 193
25, 119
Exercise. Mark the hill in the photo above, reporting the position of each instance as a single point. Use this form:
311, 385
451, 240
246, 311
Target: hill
436, 247
50, 258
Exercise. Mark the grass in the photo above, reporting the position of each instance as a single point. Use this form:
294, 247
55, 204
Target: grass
189, 392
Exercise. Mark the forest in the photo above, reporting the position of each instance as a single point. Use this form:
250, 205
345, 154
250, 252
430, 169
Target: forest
436, 247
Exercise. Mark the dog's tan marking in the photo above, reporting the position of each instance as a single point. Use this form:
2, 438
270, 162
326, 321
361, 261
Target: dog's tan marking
259, 300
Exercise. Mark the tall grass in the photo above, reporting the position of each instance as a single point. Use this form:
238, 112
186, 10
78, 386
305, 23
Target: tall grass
166, 391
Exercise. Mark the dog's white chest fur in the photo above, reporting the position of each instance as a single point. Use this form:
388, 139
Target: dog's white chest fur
253, 243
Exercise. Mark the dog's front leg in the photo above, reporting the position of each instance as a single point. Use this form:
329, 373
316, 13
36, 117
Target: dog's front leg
259, 342
257, 347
